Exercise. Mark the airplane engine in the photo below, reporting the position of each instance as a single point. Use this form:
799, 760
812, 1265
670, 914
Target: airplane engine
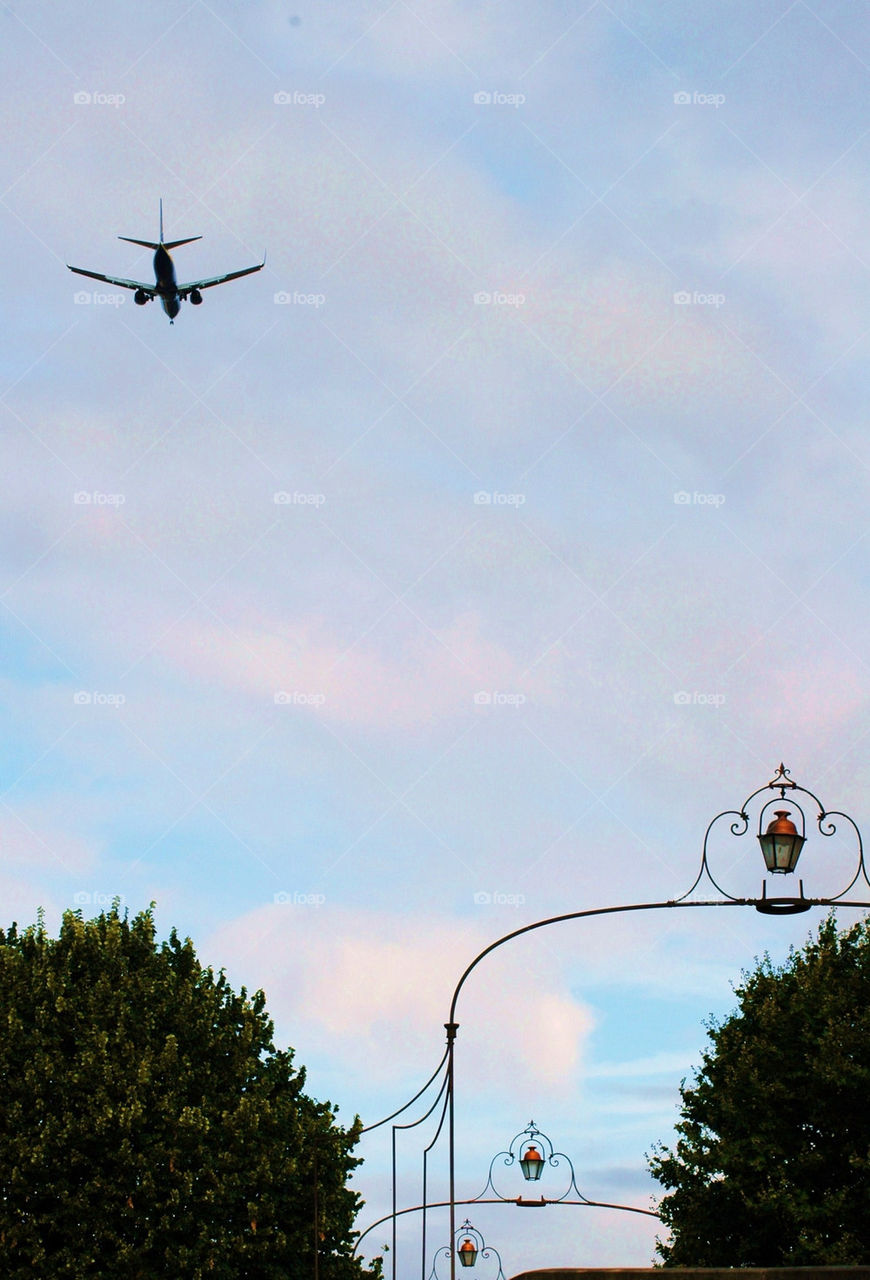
140, 297
195, 297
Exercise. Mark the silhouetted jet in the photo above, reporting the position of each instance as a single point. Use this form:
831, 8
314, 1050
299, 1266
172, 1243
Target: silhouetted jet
165, 287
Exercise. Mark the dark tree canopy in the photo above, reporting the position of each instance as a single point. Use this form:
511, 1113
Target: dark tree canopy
148, 1125
772, 1160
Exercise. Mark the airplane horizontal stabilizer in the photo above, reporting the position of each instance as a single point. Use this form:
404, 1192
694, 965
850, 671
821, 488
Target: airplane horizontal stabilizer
149, 244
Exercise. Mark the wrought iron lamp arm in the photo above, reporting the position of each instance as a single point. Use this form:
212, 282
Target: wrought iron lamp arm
829, 828
419, 1094
453, 1026
738, 828
579, 915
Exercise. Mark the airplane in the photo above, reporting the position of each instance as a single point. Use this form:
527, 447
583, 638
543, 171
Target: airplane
165, 287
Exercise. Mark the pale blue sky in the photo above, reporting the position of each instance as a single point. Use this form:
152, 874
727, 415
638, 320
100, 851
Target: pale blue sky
543, 697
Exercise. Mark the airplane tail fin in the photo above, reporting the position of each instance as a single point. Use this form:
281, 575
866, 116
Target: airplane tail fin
149, 244
173, 244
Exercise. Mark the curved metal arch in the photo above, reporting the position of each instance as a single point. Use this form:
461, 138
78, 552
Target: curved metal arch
522, 1204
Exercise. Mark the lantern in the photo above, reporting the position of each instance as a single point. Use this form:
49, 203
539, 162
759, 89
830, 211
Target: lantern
467, 1252
532, 1164
781, 844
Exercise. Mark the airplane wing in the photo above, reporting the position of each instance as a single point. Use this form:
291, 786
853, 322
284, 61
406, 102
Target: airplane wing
124, 284
185, 289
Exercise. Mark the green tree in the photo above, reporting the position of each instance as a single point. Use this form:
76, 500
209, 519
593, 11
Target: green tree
149, 1127
772, 1159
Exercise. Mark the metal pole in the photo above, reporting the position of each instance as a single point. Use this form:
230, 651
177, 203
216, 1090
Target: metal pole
316, 1223
451, 1028
395, 1203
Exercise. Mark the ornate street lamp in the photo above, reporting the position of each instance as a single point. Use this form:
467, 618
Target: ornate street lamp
781, 841
471, 1247
781, 835
533, 1151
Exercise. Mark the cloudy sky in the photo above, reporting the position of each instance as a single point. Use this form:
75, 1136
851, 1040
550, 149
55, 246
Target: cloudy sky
455, 570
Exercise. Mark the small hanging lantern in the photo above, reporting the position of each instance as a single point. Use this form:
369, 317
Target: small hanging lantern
781, 844
532, 1164
468, 1252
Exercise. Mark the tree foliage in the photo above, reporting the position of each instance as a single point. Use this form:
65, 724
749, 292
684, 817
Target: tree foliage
772, 1159
149, 1127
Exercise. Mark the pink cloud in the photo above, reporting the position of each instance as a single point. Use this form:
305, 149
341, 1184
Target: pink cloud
408, 677
373, 989
29, 838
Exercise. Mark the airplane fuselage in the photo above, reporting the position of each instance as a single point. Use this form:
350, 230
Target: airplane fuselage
167, 285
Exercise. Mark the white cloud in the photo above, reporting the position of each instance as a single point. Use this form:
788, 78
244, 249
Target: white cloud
373, 989
30, 838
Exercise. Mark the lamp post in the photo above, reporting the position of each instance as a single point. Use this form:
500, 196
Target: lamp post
316, 1222
781, 839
